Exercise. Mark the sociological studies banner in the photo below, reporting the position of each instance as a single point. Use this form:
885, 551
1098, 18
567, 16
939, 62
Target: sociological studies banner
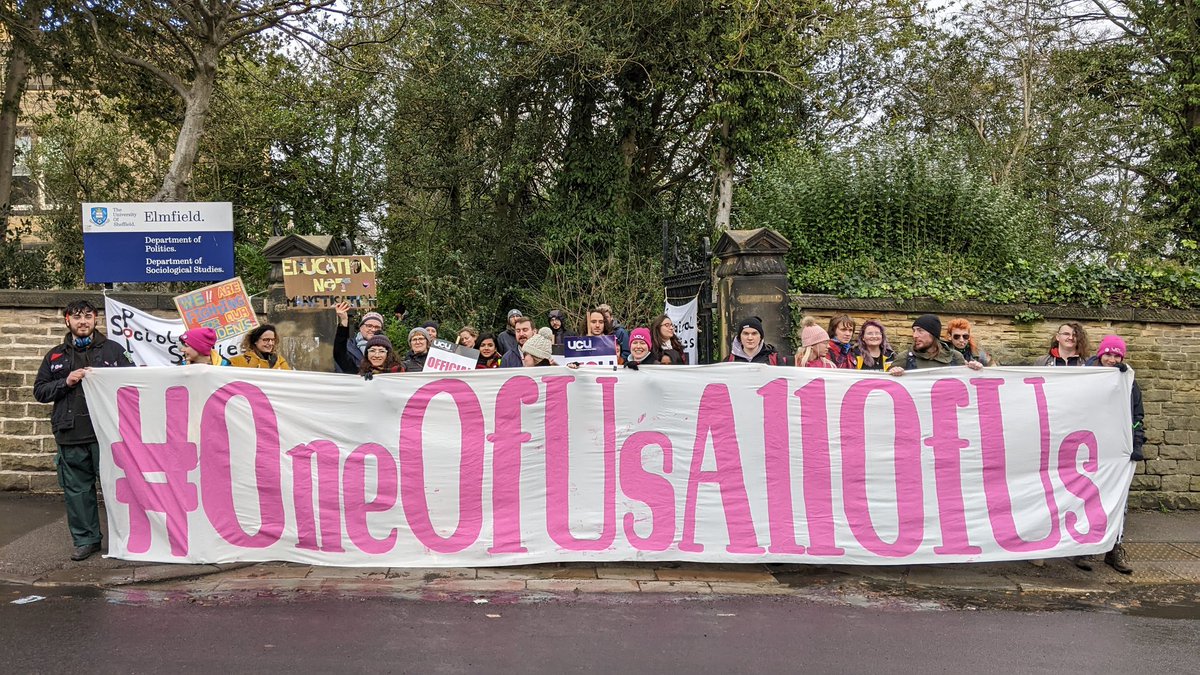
720, 463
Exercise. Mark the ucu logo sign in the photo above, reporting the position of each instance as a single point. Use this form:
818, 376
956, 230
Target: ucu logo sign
581, 345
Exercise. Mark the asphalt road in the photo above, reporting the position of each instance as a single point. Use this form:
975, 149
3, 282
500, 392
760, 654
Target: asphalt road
132, 631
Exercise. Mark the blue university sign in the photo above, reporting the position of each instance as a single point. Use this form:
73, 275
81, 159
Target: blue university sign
157, 241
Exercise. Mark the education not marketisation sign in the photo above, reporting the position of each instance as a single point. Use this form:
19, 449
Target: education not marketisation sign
167, 241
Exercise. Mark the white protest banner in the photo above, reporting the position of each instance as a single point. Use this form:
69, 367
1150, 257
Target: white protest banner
152, 340
686, 326
722, 463
592, 350
446, 356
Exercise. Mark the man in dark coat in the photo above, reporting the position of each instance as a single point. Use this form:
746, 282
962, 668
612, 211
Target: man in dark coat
78, 459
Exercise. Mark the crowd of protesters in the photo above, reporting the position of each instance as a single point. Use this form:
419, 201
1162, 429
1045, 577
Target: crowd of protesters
368, 352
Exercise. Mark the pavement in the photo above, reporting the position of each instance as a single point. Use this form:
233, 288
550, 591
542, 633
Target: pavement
35, 547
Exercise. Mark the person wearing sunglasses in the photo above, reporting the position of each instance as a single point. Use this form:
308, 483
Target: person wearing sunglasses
959, 333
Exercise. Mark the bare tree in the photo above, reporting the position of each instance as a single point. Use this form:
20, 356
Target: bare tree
180, 43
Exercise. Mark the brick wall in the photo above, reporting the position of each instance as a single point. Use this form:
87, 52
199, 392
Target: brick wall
1164, 350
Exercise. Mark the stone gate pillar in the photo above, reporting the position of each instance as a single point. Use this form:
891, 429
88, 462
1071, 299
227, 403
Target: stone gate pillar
305, 333
752, 281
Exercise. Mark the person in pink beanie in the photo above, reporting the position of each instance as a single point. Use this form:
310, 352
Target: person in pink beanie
197, 345
639, 348
814, 346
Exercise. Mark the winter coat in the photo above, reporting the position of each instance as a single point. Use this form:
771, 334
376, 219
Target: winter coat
347, 345
622, 336
344, 359
842, 354
485, 362
765, 355
512, 359
507, 342
821, 363
886, 360
70, 420
1053, 359
414, 363
677, 357
251, 359
945, 356
982, 356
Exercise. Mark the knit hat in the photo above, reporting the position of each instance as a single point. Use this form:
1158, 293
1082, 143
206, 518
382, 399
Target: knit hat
642, 334
1111, 344
812, 334
421, 332
930, 324
431, 324
371, 316
379, 341
203, 339
539, 345
750, 322
514, 312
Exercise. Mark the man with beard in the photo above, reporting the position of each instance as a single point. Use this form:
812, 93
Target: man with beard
58, 382
928, 351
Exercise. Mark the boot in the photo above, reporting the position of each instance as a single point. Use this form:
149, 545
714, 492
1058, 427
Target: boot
1083, 562
1118, 560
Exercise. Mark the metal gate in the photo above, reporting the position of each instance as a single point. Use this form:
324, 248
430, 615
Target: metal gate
685, 278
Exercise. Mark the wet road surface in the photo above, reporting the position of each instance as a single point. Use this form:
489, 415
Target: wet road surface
135, 630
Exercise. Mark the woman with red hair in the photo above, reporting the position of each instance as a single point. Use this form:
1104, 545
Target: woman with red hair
959, 333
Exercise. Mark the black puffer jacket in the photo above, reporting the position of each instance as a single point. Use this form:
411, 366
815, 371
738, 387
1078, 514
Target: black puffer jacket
70, 419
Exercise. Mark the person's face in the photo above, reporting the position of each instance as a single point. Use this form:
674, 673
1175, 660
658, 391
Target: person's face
922, 339
466, 339
821, 349
1066, 337
81, 323
487, 348
872, 336
370, 328
750, 338
639, 349
524, 331
555, 323
265, 343
529, 360
418, 344
596, 323
512, 320
667, 330
376, 355
1111, 360
190, 355
432, 332
960, 337
844, 332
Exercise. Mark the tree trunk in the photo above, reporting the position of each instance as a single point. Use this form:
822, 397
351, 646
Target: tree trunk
16, 75
724, 180
196, 105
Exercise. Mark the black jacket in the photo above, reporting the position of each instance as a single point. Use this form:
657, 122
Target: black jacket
414, 363
507, 342
70, 419
343, 360
765, 355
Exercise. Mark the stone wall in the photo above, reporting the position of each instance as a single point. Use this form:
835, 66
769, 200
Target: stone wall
1164, 350
30, 324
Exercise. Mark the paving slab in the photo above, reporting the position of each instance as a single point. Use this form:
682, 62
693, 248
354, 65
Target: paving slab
749, 576
957, 578
322, 572
740, 588
171, 571
1146, 552
476, 585
536, 572
583, 585
632, 573
430, 573
685, 587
